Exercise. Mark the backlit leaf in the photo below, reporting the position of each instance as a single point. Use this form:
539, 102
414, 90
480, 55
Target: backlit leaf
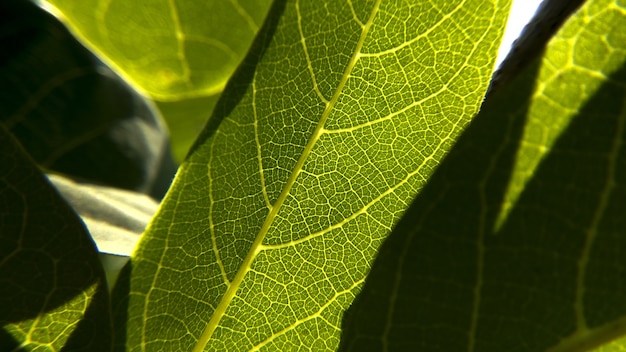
169, 49
335, 120
517, 242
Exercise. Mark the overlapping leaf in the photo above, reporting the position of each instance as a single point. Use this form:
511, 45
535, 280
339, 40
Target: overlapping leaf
52, 288
71, 113
331, 125
517, 242
170, 49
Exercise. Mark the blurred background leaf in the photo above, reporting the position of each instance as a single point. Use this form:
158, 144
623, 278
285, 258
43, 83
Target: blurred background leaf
79, 120
173, 49
618, 345
186, 119
180, 53
71, 113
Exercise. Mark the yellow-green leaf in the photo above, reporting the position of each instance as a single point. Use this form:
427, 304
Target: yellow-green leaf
335, 120
517, 241
169, 49
618, 345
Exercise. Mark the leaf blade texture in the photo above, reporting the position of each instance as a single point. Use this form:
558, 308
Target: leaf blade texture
531, 260
328, 129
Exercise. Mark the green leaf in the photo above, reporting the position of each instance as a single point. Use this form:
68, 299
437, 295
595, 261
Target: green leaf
185, 120
618, 345
169, 49
71, 113
334, 121
517, 241
52, 288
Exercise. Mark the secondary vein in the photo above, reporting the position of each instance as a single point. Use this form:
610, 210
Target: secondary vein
180, 39
257, 244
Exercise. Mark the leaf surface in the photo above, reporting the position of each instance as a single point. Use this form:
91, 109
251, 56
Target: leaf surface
517, 241
185, 120
618, 345
334, 121
169, 49
52, 288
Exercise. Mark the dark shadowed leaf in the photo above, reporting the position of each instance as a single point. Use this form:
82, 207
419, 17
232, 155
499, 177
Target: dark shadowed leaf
71, 113
517, 243
52, 289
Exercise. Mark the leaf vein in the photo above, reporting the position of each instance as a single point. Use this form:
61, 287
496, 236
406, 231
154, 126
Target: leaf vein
245, 15
216, 251
445, 17
180, 40
256, 245
268, 204
592, 232
317, 314
308, 58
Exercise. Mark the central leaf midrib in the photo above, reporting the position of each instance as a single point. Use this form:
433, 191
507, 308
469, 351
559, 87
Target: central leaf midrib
256, 245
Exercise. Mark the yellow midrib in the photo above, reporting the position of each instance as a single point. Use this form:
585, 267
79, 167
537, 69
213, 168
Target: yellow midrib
256, 245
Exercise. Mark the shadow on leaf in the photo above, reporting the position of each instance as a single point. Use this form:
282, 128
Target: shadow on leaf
49, 269
429, 260
469, 265
241, 80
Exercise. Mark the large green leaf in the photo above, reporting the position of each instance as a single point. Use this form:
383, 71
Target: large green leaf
334, 121
52, 288
517, 243
169, 49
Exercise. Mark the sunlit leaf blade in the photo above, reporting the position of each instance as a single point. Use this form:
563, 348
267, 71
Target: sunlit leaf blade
170, 49
618, 345
517, 243
52, 287
185, 120
334, 121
